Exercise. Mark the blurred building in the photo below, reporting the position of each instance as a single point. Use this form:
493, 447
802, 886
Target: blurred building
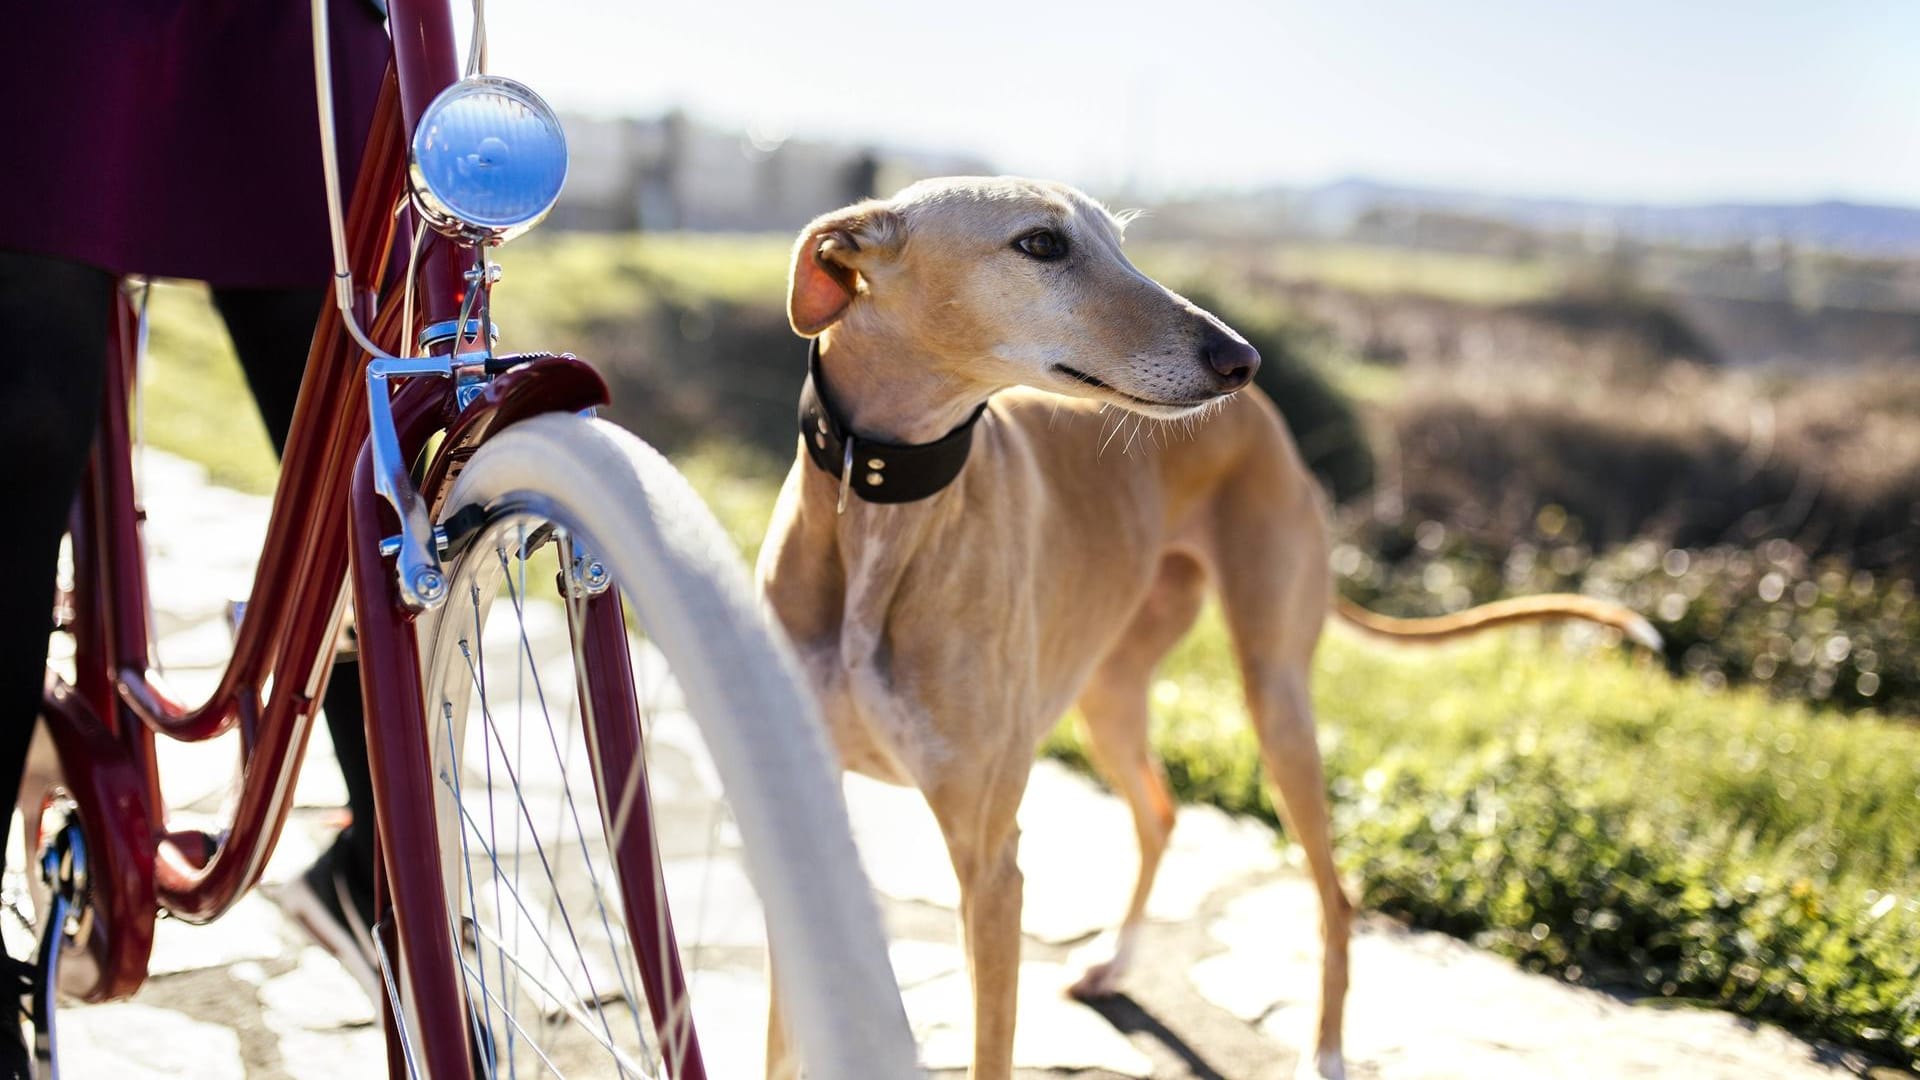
674, 173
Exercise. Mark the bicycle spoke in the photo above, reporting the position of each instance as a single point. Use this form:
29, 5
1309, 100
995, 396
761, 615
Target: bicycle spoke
450, 775
394, 1005
514, 1026
575, 620
519, 698
480, 680
571, 1008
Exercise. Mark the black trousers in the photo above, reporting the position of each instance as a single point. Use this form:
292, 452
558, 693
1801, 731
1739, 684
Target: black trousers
53, 328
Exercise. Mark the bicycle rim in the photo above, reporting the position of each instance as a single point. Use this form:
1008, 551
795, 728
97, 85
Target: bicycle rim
600, 899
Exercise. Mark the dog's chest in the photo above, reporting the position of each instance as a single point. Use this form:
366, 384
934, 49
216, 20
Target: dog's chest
875, 731
878, 730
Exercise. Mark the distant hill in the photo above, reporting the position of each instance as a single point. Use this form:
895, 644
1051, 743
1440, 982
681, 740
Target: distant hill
1855, 228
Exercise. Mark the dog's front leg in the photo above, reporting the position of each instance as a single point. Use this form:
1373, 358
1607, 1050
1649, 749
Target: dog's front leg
990, 912
984, 843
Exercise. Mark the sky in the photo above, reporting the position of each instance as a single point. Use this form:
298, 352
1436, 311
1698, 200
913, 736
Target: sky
1676, 101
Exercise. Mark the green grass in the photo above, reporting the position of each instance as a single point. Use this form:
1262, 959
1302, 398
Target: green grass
1480, 279
1359, 380
195, 399
569, 279
739, 486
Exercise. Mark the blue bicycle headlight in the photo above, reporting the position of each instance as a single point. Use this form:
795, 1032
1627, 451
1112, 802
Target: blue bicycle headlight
488, 160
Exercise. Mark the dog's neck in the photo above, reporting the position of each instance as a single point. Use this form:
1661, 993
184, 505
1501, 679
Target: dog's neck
881, 391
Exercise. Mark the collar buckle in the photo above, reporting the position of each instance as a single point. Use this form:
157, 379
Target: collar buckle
846, 475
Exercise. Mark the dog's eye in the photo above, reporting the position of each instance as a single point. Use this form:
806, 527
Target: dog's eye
1043, 244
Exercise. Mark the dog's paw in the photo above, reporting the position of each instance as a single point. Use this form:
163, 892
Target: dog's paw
1324, 1065
1100, 981
1102, 978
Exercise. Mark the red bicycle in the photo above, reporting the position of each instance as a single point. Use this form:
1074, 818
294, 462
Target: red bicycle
542, 605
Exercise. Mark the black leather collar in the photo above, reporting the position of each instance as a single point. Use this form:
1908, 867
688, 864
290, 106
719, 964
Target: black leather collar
879, 472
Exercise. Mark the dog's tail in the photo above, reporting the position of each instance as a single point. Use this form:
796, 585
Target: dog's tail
1520, 609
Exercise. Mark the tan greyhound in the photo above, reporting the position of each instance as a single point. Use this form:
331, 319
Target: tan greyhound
1049, 456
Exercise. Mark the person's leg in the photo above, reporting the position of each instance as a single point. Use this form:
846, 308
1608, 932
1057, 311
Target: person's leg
271, 330
53, 328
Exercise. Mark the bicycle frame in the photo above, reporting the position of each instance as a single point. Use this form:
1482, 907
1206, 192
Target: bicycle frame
102, 727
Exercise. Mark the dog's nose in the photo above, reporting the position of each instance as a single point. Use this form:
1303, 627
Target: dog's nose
1231, 358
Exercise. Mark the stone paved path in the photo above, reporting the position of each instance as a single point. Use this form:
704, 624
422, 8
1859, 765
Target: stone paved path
1225, 985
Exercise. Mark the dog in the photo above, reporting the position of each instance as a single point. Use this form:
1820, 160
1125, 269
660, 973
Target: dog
1022, 464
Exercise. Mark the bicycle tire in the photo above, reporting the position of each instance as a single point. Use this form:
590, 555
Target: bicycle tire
683, 583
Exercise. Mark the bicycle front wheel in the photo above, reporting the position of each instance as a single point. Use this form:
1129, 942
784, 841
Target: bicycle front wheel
608, 784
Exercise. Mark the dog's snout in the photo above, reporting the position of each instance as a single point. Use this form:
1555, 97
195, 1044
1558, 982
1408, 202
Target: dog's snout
1230, 357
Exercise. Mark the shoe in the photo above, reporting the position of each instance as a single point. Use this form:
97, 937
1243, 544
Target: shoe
337, 914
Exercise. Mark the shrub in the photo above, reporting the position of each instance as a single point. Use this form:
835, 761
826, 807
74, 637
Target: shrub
1691, 457
1814, 629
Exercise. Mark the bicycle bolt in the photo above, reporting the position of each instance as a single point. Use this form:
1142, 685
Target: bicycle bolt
596, 575
429, 585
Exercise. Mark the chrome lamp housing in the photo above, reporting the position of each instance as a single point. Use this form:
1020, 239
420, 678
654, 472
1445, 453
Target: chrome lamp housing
488, 160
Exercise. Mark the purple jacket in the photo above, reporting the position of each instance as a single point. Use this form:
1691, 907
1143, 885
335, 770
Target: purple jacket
177, 138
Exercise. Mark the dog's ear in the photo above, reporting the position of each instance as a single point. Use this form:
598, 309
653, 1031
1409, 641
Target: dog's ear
831, 260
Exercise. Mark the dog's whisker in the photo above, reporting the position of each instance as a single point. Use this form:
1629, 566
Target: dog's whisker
1108, 436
